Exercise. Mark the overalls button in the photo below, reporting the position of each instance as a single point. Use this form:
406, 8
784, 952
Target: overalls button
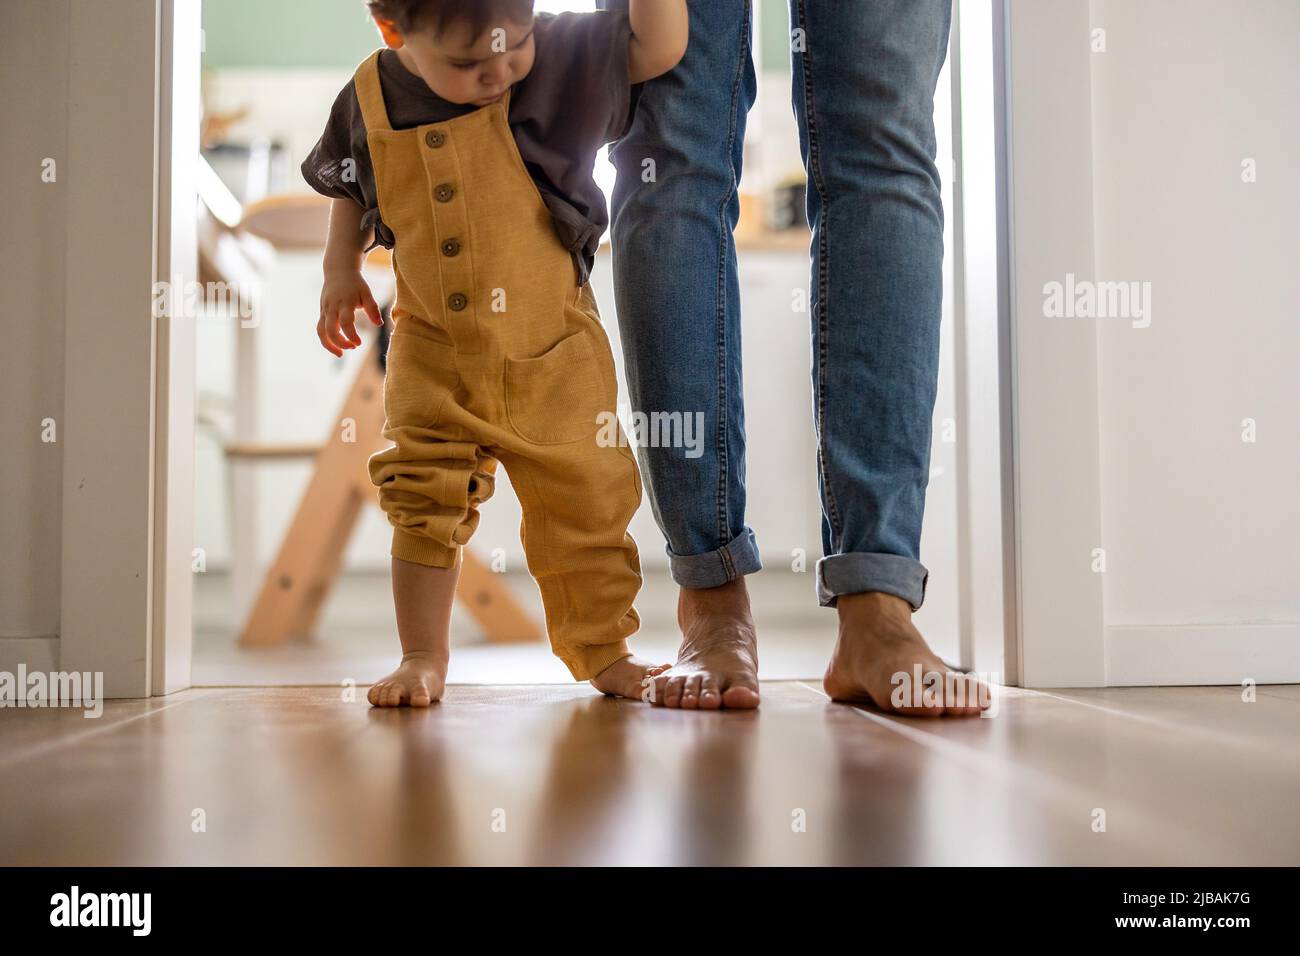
457, 302
444, 193
451, 247
434, 139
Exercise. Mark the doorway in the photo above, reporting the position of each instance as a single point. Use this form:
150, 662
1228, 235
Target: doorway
258, 415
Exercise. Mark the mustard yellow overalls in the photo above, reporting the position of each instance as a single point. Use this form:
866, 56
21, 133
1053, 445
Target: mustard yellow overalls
498, 355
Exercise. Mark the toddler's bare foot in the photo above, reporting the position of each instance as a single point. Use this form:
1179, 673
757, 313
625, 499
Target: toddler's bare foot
418, 682
626, 677
877, 642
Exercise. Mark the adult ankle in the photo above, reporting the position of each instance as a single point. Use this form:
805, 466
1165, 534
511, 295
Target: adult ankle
873, 604
730, 599
731, 593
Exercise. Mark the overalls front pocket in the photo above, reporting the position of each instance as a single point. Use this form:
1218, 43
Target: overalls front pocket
558, 396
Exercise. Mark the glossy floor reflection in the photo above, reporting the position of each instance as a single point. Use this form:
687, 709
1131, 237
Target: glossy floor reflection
558, 775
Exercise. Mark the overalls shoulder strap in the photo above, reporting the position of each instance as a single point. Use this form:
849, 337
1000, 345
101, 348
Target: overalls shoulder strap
370, 96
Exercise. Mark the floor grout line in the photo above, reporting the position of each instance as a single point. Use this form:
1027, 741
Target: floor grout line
1289, 700
1057, 791
47, 747
1226, 740
950, 749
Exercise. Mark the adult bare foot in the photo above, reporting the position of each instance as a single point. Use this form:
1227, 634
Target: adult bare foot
626, 677
418, 682
877, 642
717, 664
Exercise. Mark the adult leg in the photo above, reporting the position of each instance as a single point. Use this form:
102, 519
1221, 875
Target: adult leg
674, 209
864, 81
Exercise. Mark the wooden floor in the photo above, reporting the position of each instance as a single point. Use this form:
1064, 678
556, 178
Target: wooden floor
556, 774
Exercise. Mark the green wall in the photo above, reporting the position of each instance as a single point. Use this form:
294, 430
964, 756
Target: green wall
289, 34
295, 34
774, 53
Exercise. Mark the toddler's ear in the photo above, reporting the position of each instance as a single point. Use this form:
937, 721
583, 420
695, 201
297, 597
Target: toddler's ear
388, 30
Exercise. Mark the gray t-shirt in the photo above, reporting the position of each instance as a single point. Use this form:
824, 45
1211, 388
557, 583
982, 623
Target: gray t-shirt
576, 98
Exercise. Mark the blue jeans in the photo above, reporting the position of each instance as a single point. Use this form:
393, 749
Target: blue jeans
864, 75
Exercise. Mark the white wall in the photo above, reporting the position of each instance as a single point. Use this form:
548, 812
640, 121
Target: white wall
1200, 527
1129, 124
33, 125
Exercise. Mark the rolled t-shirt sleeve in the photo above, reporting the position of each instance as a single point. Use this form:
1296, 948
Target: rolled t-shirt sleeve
338, 166
333, 167
586, 56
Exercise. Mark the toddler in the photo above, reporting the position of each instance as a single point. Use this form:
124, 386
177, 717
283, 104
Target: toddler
466, 146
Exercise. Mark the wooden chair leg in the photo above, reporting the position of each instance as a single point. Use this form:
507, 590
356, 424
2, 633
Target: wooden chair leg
491, 604
485, 596
311, 554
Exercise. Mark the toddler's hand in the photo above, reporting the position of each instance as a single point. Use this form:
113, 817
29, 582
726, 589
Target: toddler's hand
343, 293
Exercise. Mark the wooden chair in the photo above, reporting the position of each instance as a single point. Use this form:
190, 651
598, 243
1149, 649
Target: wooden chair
310, 556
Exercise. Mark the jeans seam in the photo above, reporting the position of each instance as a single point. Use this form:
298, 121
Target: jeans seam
723, 364
823, 255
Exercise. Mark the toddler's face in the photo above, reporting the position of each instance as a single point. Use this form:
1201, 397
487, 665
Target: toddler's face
461, 69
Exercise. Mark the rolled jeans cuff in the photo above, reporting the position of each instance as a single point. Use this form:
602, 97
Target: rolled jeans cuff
858, 572
713, 569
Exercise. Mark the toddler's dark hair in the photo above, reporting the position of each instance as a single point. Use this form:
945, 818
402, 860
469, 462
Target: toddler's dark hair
409, 15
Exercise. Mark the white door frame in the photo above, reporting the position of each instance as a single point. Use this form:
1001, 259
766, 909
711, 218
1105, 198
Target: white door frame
180, 52
985, 544
987, 605
128, 399
1063, 638
1054, 461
